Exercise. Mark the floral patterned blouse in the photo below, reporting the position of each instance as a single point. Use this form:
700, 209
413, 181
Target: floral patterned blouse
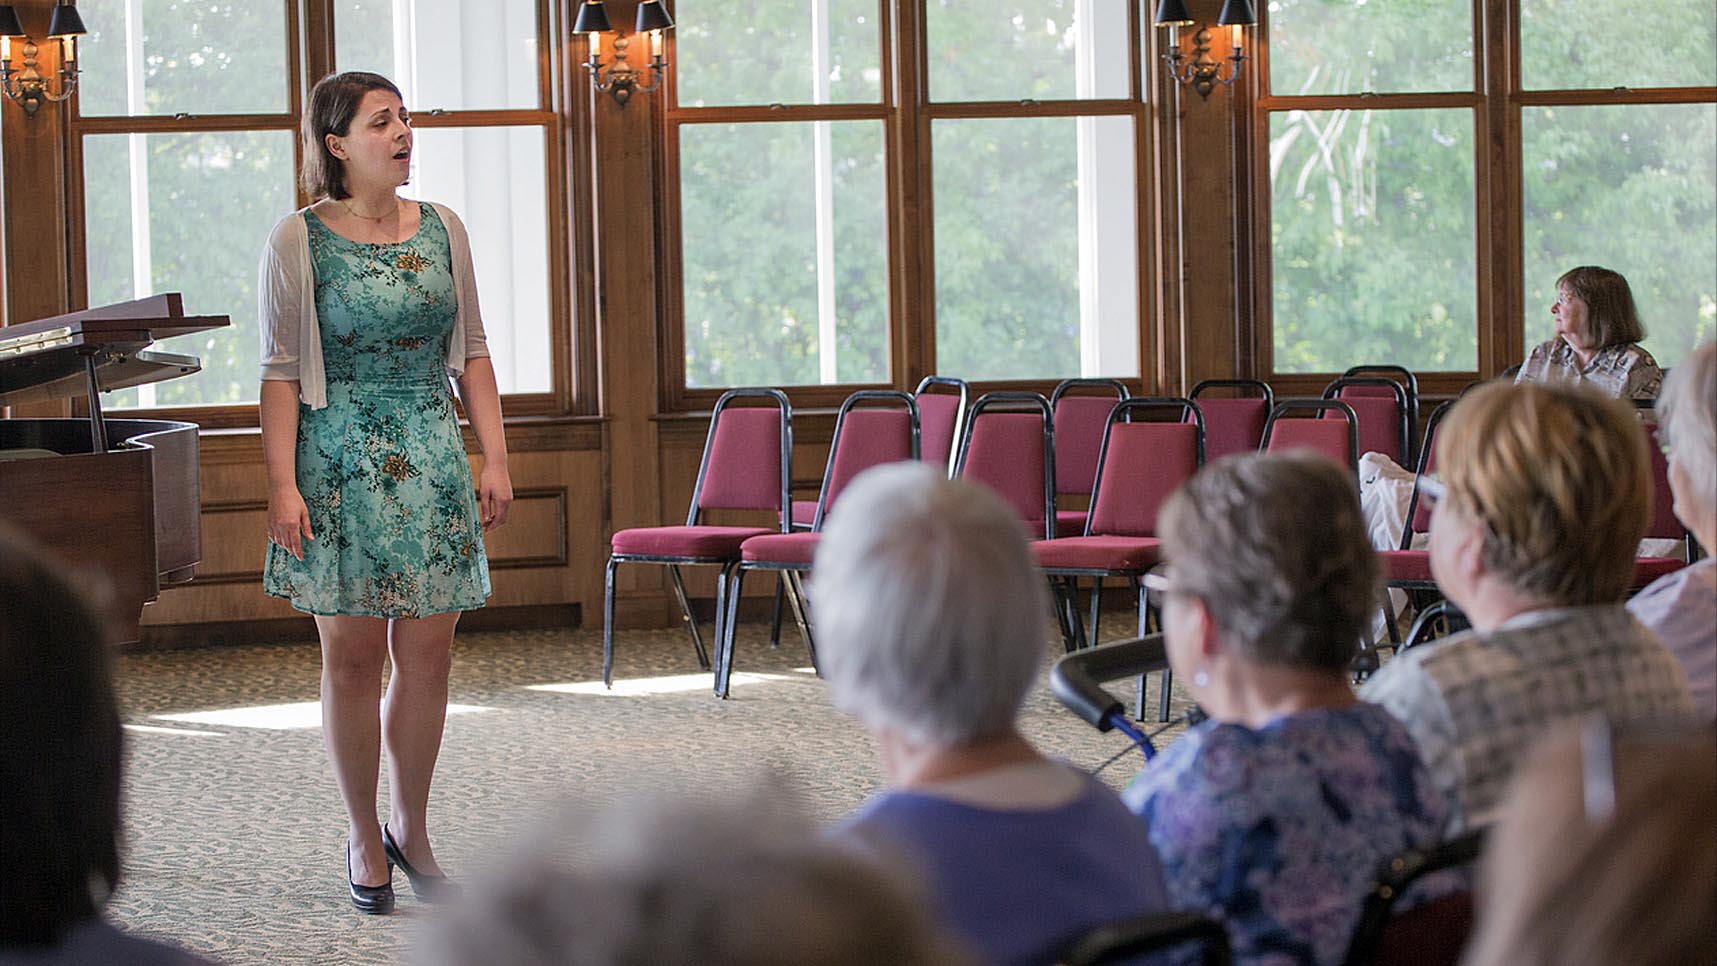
1620, 371
1280, 830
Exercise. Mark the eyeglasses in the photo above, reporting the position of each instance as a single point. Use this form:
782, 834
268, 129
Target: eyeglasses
1159, 587
1432, 489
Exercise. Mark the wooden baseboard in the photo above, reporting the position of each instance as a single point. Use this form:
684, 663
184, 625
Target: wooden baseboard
300, 630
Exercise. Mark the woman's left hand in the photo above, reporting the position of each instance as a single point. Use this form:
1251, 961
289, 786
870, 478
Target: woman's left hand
494, 495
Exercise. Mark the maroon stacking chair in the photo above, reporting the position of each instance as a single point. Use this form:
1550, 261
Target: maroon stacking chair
1432, 934
1140, 464
1406, 568
873, 427
1008, 444
942, 402
1299, 424
746, 464
1663, 525
1385, 418
1081, 409
1233, 425
1401, 376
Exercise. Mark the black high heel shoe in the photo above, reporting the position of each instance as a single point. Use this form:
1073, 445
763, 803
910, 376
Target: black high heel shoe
370, 900
429, 888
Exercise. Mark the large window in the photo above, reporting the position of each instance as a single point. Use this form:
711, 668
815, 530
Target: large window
185, 141
1426, 186
971, 188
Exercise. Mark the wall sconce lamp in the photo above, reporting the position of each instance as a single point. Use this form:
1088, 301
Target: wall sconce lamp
620, 79
28, 87
1200, 71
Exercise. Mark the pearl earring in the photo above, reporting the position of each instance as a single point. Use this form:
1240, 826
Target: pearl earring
1200, 678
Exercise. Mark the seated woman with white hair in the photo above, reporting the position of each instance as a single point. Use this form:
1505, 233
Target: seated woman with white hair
932, 623
1681, 608
1280, 808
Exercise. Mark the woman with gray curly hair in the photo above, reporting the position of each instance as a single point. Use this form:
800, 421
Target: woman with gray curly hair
1681, 608
932, 625
1279, 808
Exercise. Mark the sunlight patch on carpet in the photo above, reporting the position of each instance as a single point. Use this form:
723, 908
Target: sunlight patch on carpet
670, 684
278, 717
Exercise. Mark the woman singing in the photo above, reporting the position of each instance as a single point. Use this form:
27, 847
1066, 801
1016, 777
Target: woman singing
368, 305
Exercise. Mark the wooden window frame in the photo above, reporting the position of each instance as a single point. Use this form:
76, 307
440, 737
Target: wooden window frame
907, 113
563, 115
1497, 100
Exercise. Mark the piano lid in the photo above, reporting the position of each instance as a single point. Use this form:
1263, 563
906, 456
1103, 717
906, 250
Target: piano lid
48, 359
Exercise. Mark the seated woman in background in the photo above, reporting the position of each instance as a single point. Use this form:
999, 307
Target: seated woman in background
1605, 852
59, 776
932, 623
1545, 492
1279, 809
683, 880
1598, 335
1681, 608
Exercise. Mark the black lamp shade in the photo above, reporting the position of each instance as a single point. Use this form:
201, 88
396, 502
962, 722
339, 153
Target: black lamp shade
652, 16
9, 25
65, 22
1236, 11
592, 18
1172, 13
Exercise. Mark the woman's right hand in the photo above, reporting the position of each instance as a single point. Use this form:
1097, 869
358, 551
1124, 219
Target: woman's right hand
289, 520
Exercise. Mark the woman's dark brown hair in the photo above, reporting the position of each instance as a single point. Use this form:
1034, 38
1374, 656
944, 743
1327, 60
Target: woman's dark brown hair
333, 103
59, 753
1611, 318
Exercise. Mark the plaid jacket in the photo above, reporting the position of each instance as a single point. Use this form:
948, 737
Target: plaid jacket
1477, 701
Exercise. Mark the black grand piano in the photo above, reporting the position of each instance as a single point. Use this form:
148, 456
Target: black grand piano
113, 497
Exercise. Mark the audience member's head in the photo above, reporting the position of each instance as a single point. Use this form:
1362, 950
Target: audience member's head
1687, 413
59, 753
931, 616
1605, 852
1269, 564
1548, 495
687, 880
1598, 307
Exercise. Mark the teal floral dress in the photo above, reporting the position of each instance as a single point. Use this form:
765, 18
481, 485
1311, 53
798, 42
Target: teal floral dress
382, 468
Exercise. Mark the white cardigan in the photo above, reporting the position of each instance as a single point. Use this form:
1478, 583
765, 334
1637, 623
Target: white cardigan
286, 306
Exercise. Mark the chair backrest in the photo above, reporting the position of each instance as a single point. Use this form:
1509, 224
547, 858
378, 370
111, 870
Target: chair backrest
1081, 408
1130, 939
1337, 439
1435, 932
747, 457
1401, 376
1141, 463
941, 416
1008, 444
1419, 511
1663, 525
1233, 425
867, 433
1385, 418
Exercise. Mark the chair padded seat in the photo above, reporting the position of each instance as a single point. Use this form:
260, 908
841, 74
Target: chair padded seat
1648, 569
1405, 564
699, 541
781, 548
1069, 523
1097, 553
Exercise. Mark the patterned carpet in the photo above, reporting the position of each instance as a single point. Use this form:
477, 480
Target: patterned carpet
235, 830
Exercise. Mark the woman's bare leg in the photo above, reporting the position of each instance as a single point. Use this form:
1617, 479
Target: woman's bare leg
413, 714
352, 652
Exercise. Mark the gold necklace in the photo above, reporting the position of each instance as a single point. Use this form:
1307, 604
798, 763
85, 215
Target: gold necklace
355, 213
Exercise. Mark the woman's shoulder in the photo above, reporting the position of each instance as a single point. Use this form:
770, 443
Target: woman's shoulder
290, 228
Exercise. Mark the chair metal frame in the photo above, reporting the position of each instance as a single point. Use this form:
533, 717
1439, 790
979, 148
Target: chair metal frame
1402, 376
962, 413
1125, 941
726, 563
792, 572
1427, 450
